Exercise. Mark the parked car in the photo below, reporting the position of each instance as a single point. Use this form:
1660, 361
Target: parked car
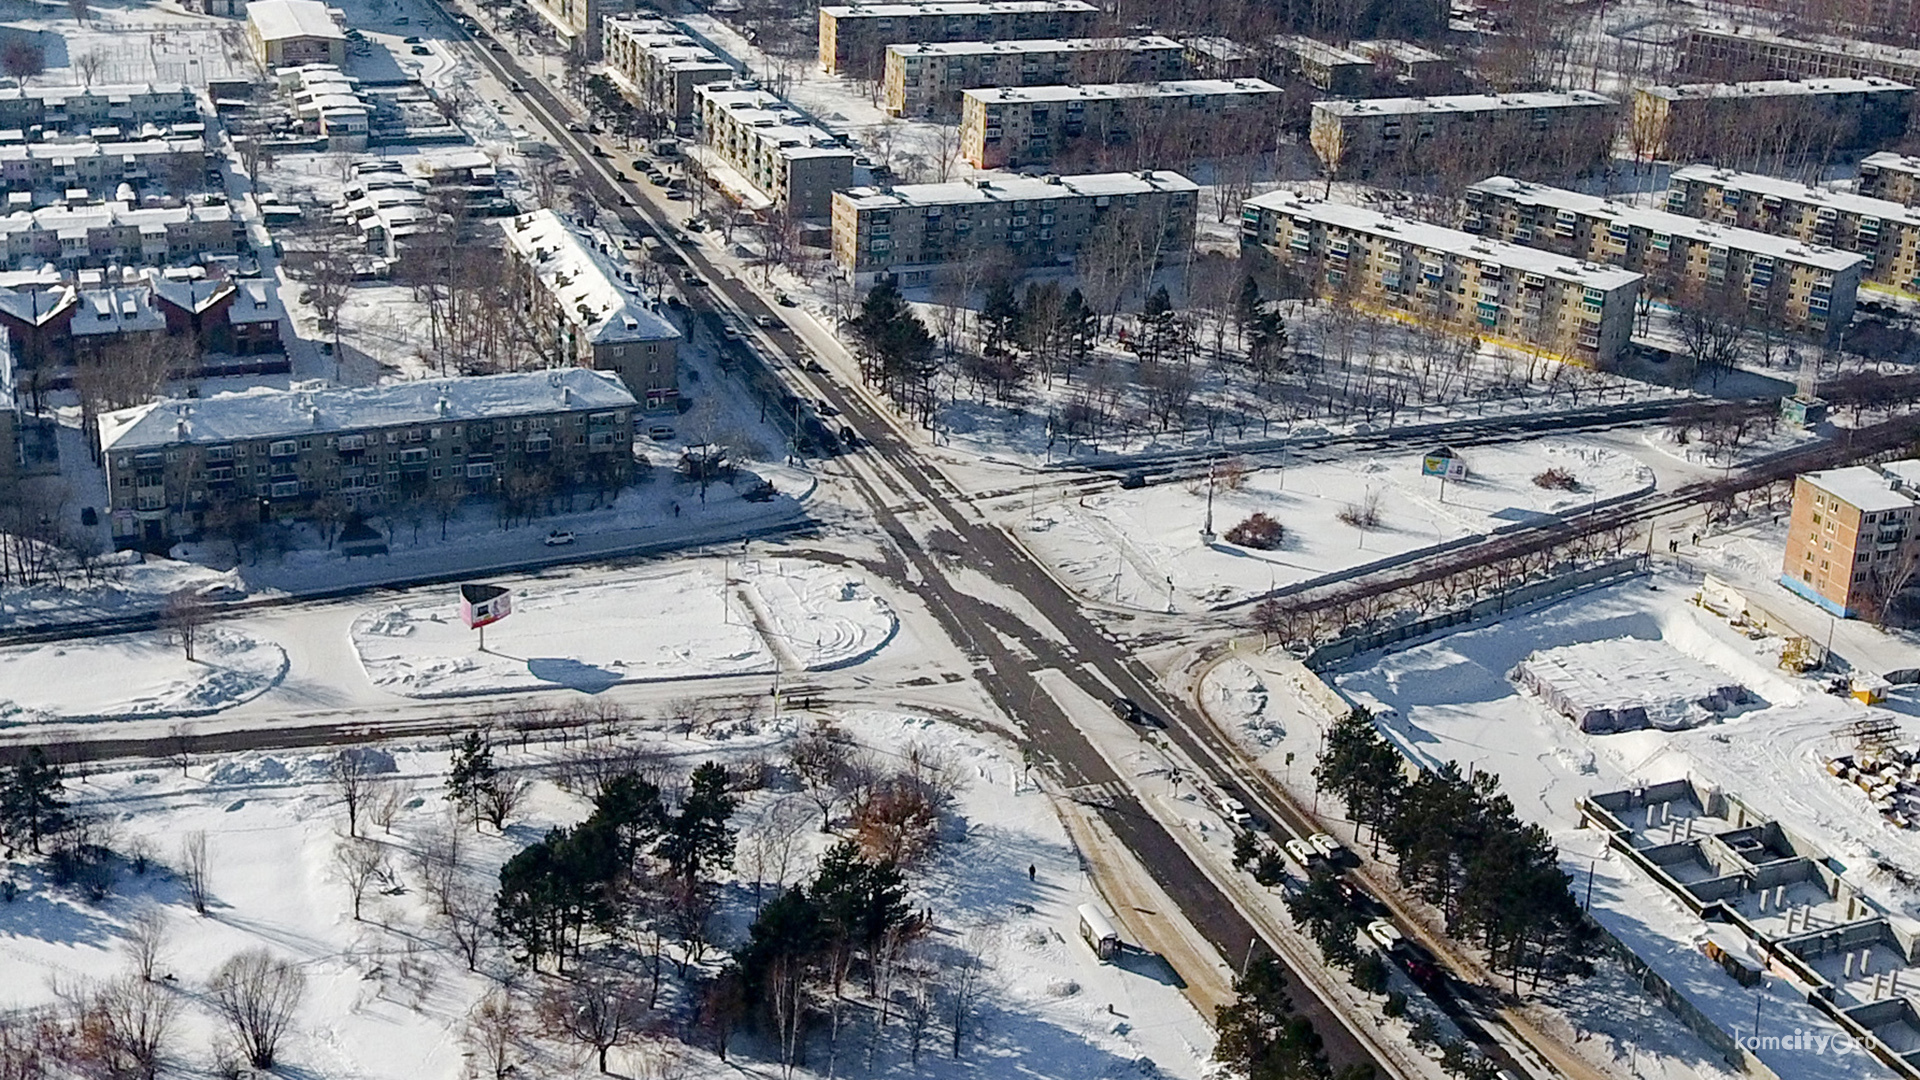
730, 332
1302, 854
1334, 851
1386, 935
783, 299
413, 39
815, 366
421, 50
1127, 709
558, 537
688, 277
765, 322
826, 408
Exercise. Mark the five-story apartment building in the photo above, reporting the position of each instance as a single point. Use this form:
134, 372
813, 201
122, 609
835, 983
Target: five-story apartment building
658, 65
854, 37
1886, 234
925, 78
793, 162
1009, 127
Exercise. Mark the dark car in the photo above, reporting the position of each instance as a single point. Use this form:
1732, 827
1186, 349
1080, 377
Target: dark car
421, 50
1133, 480
1128, 709
413, 40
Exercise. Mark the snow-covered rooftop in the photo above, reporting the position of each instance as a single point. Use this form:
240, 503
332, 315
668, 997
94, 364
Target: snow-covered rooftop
1776, 88
600, 298
770, 119
1463, 103
1904, 473
1441, 238
1405, 52
279, 19
110, 91
261, 413
75, 149
1865, 489
1889, 54
121, 310
1795, 191
70, 219
1033, 45
1892, 162
1173, 88
1660, 221
954, 7
1010, 187
1319, 52
666, 43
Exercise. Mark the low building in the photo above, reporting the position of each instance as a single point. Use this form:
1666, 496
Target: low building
925, 79
327, 102
233, 316
176, 468
117, 234
1010, 127
1411, 66
590, 310
1711, 120
1800, 287
1465, 134
1890, 176
917, 231
1886, 234
795, 164
288, 33
658, 65
1853, 542
854, 37
394, 219
48, 170
1221, 58
81, 108
1751, 53
1328, 68
1516, 296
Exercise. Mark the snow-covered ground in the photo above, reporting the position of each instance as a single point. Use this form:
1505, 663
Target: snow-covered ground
669, 623
1450, 699
388, 998
1128, 547
134, 675
125, 583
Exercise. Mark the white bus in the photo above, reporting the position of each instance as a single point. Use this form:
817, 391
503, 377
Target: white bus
1098, 932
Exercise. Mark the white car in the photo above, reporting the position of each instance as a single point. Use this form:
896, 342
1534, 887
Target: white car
1302, 853
730, 332
558, 537
1333, 850
1385, 934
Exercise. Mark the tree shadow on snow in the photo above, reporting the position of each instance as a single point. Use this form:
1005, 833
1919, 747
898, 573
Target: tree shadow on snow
49, 912
571, 673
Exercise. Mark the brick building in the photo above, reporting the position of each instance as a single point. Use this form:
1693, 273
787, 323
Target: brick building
1465, 134
1693, 121
793, 163
1853, 541
1886, 234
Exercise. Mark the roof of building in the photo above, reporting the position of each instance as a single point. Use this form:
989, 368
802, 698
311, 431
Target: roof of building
193, 295
1904, 472
125, 309
276, 20
76, 149
259, 301
1863, 488
663, 40
261, 413
1405, 52
1011, 187
1892, 162
771, 119
1214, 47
110, 91
34, 306
1441, 238
1865, 49
953, 7
1034, 45
1793, 190
1463, 103
595, 295
66, 219
1320, 52
1660, 221
994, 95
1776, 88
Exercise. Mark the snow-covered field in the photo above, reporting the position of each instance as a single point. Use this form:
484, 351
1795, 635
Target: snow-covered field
669, 623
1450, 699
388, 998
134, 675
1127, 546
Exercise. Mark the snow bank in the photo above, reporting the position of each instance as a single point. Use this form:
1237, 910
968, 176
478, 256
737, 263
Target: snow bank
144, 675
1627, 684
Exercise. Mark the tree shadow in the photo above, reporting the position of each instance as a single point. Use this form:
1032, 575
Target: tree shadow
46, 911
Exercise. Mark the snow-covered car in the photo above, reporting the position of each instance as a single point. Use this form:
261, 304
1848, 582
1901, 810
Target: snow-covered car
765, 322
730, 332
558, 537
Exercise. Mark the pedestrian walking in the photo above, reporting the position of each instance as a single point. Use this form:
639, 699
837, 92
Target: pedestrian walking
1032, 871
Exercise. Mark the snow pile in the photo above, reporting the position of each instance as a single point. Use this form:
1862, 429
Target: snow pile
653, 626
1627, 684
123, 583
1239, 694
150, 676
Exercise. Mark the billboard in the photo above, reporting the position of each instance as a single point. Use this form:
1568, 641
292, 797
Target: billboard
484, 604
1444, 463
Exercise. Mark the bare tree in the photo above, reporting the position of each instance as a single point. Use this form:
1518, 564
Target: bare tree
820, 757
180, 746
964, 981
186, 617
469, 917
358, 861
132, 1018
437, 858
599, 1011
257, 995
493, 1036
348, 776
146, 939
384, 804
193, 869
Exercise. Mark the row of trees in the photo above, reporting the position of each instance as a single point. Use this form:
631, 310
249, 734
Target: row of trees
1459, 846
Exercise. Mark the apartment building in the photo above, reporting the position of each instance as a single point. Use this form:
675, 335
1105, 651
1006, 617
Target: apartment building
1853, 541
1700, 120
1517, 296
1757, 54
1465, 133
177, 467
795, 164
117, 234
327, 102
1328, 68
1409, 64
925, 79
1807, 289
1886, 234
1891, 176
658, 65
589, 308
580, 24
81, 108
917, 231
287, 33
48, 170
1010, 127
854, 37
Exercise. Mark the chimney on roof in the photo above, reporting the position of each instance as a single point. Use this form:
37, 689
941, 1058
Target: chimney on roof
443, 405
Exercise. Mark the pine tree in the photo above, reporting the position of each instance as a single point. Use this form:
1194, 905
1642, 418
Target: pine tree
1327, 917
1260, 1036
895, 349
1160, 329
1246, 305
999, 315
859, 900
526, 910
631, 806
472, 774
1077, 329
698, 838
1360, 766
31, 802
